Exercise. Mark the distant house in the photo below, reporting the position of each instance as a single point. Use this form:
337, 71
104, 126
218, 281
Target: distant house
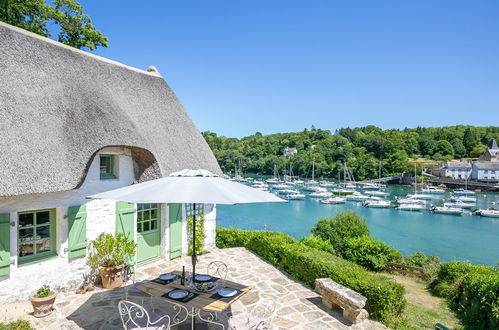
492, 152
454, 169
74, 124
289, 151
485, 171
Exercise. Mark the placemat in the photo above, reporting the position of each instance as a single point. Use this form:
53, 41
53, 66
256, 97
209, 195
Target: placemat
216, 296
189, 297
165, 282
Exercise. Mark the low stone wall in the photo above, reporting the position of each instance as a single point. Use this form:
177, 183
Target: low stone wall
335, 295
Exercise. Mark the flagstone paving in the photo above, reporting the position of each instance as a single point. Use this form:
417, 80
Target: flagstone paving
297, 307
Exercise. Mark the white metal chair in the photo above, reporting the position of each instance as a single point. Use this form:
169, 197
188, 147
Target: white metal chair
130, 285
218, 269
258, 318
135, 317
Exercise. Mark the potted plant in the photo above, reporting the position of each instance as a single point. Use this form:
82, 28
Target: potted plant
43, 301
110, 253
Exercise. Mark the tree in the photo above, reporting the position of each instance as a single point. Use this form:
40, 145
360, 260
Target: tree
478, 150
397, 162
340, 227
445, 148
75, 27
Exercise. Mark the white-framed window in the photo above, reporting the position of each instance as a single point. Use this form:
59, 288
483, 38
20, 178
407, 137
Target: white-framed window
189, 209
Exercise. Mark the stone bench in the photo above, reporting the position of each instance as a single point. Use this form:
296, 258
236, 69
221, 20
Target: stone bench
335, 295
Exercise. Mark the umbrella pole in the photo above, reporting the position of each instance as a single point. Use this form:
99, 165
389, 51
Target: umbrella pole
193, 242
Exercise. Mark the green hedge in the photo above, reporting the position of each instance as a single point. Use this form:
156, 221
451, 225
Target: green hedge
385, 298
472, 290
369, 252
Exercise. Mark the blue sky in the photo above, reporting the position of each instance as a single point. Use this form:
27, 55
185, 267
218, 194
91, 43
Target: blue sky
271, 66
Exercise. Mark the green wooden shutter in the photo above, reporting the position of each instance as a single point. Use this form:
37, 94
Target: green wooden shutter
125, 213
77, 237
4, 244
175, 230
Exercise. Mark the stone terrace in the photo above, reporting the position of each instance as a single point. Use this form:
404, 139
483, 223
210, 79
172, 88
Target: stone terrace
297, 307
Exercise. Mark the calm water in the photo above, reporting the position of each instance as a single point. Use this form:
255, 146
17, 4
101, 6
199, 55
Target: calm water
467, 237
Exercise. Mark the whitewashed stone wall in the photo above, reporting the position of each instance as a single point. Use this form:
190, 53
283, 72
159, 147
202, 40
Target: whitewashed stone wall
58, 272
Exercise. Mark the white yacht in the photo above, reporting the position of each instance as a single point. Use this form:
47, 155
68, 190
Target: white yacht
411, 201
490, 213
463, 192
357, 197
460, 204
320, 194
376, 203
327, 184
432, 190
447, 210
420, 196
377, 193
279, 186
287, 191
295, 196
465, 199
333, 200
342, 191
410, 207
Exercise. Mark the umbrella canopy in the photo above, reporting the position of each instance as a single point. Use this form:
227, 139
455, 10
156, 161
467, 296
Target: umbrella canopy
189, 186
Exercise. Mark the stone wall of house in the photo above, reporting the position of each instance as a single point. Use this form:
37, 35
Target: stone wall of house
58, 272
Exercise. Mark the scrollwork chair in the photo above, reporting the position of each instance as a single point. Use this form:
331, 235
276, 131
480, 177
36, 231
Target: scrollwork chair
258, 318
218, 269
131, 290
135, 317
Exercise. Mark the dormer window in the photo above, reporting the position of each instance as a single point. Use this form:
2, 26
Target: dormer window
107, 167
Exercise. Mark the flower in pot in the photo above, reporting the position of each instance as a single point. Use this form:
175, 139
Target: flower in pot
43, 301
110, 253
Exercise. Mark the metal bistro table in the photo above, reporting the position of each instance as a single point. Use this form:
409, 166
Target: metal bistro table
207, 303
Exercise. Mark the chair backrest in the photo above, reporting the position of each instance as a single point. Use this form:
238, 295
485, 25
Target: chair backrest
134, 316
127, 274
264, 311
218, 269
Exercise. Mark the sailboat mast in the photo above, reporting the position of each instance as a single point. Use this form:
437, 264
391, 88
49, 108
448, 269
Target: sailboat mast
313, 168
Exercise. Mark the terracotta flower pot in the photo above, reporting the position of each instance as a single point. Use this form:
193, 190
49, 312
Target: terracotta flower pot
111, 276
43, 306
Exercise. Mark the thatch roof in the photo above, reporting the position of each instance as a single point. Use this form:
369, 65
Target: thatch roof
60, 105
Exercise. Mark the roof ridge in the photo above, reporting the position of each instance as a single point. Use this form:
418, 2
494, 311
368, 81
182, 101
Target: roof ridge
76, 50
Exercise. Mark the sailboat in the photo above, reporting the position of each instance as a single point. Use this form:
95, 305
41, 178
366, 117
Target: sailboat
311, 185
275, 179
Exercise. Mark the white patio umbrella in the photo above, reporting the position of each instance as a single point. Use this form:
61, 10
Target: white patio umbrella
190, 186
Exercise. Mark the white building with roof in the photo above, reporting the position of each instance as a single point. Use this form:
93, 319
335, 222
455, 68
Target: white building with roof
76, 124
289, 151
455, 170
492, 152
485, 171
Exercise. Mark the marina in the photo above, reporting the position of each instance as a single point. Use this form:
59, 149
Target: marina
466, 236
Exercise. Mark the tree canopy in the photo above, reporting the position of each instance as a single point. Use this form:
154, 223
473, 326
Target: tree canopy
75, 27
360, 149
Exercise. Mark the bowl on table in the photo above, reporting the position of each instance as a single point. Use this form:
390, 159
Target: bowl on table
204, 286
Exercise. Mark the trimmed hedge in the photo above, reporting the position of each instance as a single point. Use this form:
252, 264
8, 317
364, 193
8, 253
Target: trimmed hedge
385, 298
472, 290
369, 252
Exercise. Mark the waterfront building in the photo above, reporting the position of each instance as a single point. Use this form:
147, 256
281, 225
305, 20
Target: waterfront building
492, 152
485, 171
289, 151
75, 124
455, 170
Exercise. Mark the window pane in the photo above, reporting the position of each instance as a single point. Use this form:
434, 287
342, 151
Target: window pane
43, 246
146, 226
139, 227
105, 164
147, 215
42, 217
25, 219
140, 216
25, 250
25, 234
42, 232
154, 225
154, 213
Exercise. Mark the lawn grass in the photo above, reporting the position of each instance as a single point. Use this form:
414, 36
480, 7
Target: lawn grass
423, 309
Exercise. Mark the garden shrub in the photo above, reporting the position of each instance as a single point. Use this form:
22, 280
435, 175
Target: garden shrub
472, 291
16, 325
318, 243
340, 227
305, 263
369, 252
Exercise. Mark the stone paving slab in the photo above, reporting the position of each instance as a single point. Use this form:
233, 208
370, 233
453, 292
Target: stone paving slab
297, 307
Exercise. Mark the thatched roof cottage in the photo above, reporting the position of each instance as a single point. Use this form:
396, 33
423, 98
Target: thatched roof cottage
74, 124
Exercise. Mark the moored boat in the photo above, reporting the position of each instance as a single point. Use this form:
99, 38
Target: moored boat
460, 204
447, 210
464, 199
376, 203
294, 196
433, 190
410, 207
490, 212
411, 201
333, 200
357, 197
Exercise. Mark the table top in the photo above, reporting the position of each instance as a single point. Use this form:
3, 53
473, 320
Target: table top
203, 301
